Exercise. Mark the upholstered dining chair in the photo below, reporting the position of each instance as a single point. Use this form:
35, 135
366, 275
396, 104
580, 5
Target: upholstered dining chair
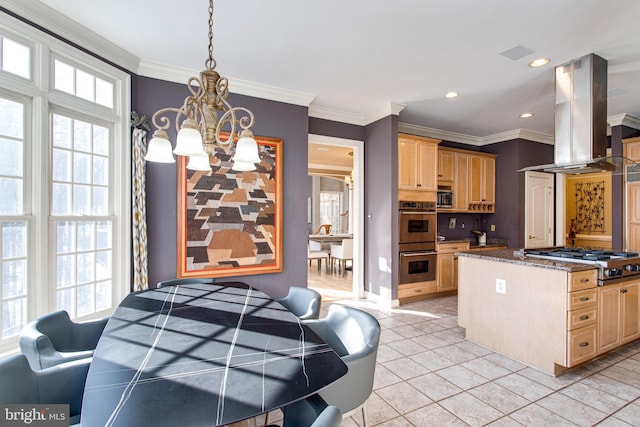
353, 334
315, 251
343, 253
303, 302
311, 412
54, 338
186, 281
60, 384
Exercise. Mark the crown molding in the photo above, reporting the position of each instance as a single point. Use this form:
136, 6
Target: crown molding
624, 120
475, 140
62, 26
390, 109
336, 115
241, 87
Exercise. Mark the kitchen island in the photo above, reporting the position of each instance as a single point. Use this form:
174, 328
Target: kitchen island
542, 313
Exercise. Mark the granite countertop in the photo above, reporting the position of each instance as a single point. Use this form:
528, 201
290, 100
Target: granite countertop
516, 257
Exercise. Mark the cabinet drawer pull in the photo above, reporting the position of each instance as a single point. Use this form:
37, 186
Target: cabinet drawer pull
584, 280
584, 344
417, 291
624, 291
584, 299
585, 317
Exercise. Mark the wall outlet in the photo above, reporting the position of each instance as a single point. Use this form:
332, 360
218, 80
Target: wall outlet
452, 223
493, 227
501, 286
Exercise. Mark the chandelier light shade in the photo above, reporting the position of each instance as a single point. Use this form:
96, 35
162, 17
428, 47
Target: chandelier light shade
201, 121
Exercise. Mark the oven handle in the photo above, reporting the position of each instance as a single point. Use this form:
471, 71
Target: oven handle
417, 253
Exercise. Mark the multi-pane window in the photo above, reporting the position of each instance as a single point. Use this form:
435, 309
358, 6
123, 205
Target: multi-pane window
15, 57
13, 226
64, 181
82, 84
330, 209
80, 188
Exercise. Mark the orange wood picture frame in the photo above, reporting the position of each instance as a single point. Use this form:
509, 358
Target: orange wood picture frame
230, 222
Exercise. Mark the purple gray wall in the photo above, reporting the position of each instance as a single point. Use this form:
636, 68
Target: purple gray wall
510, 190
273, 119
381, 207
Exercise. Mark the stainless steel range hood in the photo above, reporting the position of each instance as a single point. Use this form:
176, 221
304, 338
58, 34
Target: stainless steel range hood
580, 118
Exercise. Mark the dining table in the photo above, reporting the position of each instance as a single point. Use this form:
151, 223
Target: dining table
202, 355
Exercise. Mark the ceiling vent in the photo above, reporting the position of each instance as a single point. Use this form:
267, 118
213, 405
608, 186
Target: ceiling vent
516, 52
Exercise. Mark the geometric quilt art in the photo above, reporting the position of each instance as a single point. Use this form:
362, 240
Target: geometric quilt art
230, 222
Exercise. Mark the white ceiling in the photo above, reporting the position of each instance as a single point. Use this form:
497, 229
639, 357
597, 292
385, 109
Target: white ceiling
358, 56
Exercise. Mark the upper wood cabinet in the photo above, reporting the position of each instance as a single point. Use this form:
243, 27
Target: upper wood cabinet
417, 163
473, 179
446, 165
631, 150
482, 182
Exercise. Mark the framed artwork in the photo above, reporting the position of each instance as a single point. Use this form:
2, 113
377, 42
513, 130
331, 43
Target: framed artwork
230, 222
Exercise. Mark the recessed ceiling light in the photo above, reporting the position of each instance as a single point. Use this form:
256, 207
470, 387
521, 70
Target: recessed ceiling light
539, 62
526, 115
451, 94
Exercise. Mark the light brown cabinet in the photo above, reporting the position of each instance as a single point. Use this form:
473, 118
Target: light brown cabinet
482, 183
446, 165
417, 164
631, 150
447, 269
618, 311
472, 180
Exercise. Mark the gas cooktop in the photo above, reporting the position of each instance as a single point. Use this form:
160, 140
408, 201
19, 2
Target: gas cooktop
611, 264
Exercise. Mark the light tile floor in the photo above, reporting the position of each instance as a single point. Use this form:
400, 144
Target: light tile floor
427, 374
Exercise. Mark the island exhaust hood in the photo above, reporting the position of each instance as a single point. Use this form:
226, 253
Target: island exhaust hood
580, 118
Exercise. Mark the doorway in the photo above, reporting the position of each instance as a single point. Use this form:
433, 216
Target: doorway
351, 285
538, 208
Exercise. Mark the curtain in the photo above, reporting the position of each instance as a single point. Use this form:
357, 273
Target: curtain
140, 271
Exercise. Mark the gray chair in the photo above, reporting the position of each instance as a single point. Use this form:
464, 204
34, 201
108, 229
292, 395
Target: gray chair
311, 412
54, 338
186, 281
354, 335
60, 384
303, 302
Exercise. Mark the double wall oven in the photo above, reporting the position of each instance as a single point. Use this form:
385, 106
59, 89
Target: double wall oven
417, 242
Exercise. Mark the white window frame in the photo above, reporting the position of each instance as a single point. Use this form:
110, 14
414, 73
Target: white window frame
41, 99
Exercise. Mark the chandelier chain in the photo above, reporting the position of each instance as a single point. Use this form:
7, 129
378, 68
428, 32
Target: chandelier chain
211, 63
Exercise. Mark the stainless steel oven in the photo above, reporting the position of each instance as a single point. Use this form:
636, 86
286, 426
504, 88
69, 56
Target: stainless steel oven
417, 222
417, 263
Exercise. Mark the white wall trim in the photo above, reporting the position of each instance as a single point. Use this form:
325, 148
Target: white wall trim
477, 141
59, 24
358, 205
392, 108
624, 119
241, 87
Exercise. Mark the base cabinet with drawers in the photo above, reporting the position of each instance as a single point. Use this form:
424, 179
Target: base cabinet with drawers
582, 317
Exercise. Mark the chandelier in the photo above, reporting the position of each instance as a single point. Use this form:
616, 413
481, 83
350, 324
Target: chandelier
207, 121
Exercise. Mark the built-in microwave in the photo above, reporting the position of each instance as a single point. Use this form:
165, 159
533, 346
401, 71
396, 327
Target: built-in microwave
444, 199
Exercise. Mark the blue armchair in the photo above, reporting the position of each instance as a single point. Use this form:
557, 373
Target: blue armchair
303, 302
60, 384
354, 335
54, 338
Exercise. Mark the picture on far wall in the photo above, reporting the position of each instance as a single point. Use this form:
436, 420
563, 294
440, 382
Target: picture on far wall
230, 222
